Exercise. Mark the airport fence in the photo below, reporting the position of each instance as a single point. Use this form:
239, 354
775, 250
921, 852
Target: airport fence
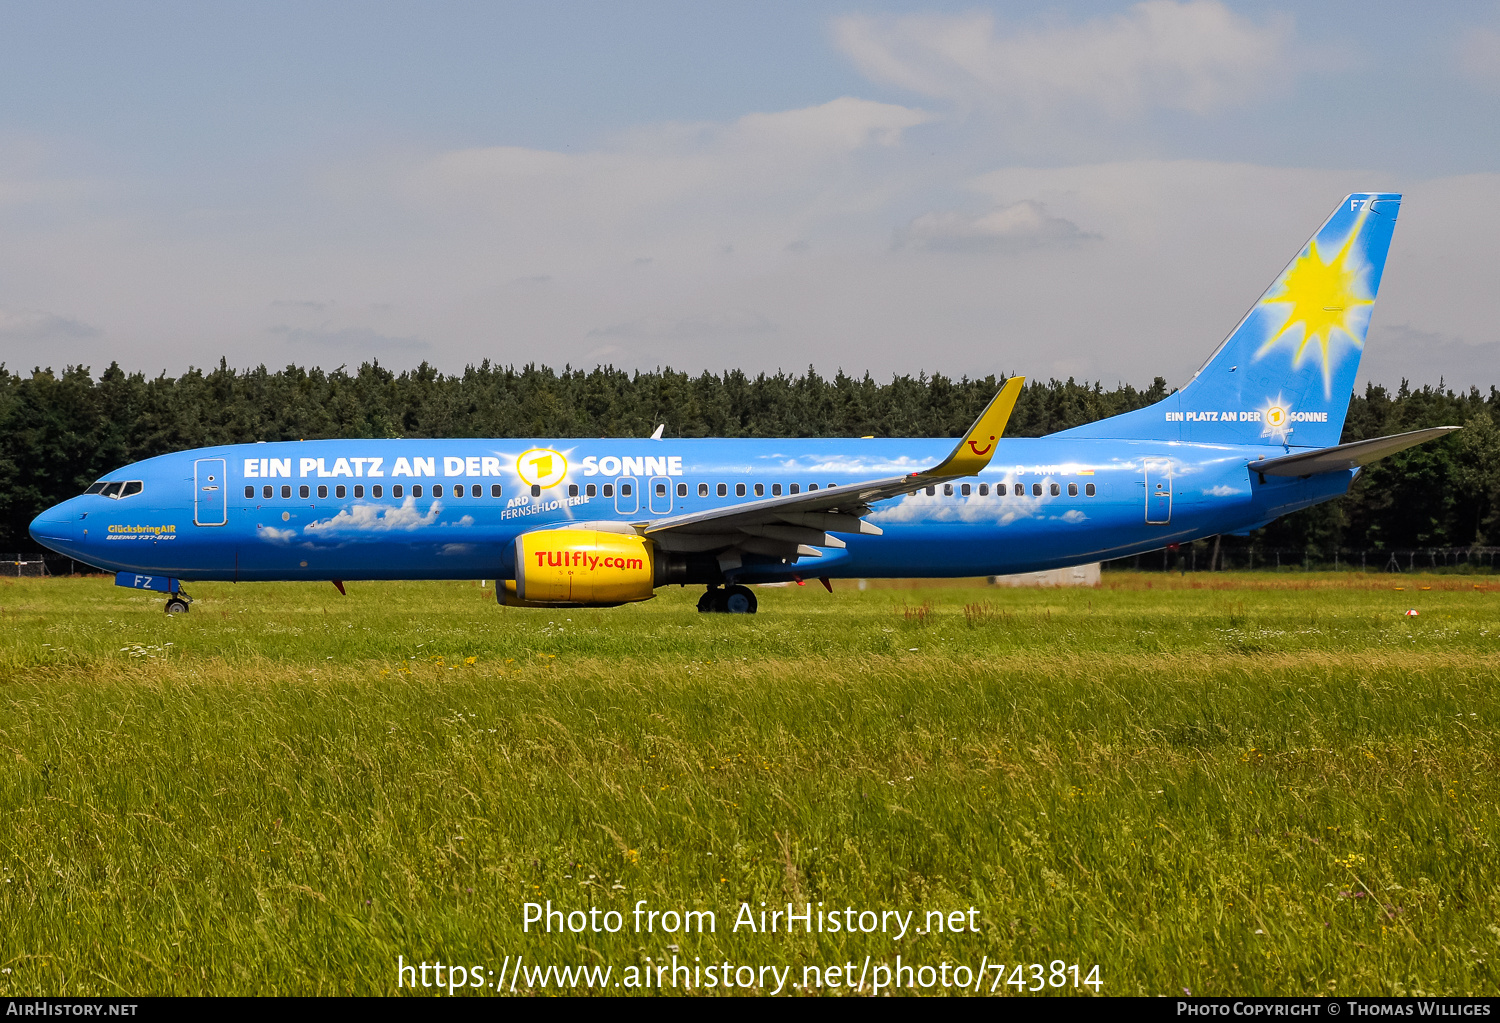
33, 564
1209, 556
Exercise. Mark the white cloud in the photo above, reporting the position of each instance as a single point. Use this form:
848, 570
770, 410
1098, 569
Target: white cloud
36, 325
1120, 270
735, 323
1197, 56
1017, 226
359, 339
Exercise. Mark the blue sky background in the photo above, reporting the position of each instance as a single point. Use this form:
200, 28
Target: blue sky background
1091, 189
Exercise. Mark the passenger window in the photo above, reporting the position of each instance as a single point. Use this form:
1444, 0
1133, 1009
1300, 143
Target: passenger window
775, 489
609, 490
322, 492
572, 489
760, 490
1056, 489
536, 490
397, 490
131, 489
1020, 490
739, 490
947, 489
1036, 490
624, 489
964, 490
722, 490
359, 490
286, 491
340, 491
303, 492
476, 491
661, 490
249, 491
495, 490
984, 490
590, 491
703, 490
792, 489
1072, 489
932, 491
377, 491
266, 492
682, 490
112, 489
1088, 490
95, 488
437, 490
811, 487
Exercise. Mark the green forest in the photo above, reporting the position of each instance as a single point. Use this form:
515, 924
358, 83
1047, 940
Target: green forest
59, 432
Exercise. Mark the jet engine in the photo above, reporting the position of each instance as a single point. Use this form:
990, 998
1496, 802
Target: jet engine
580, 567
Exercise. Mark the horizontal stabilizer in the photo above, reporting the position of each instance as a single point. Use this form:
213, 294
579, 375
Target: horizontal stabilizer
1346, 456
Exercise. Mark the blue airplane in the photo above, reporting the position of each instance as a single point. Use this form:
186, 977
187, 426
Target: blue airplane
578, 523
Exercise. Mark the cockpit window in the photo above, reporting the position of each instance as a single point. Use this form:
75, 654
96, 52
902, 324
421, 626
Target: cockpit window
116, 489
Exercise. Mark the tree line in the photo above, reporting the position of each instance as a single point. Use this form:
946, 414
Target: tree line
61, 431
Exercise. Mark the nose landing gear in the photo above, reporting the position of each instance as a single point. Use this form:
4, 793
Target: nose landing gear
734, 600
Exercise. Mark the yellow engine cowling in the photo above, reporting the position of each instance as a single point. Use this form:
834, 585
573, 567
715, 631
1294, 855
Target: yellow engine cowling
581, 566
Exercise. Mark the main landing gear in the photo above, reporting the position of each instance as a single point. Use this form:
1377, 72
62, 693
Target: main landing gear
177, 603
734, 600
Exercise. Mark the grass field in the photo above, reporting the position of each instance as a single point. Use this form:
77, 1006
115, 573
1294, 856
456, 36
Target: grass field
1228, 784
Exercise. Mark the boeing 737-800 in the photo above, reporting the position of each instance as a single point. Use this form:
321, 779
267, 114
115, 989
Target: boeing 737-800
1254, 435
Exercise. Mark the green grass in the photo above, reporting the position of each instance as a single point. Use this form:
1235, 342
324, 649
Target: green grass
1230, 784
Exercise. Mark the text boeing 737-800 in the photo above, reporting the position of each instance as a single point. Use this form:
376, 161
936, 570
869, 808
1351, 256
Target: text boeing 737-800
1254, 435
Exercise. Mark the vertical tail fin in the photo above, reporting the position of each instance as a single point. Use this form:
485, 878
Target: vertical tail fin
1285, 374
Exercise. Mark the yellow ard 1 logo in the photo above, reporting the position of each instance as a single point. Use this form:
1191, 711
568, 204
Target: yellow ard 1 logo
541, 467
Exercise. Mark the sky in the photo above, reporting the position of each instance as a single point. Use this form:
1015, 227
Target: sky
1096, 190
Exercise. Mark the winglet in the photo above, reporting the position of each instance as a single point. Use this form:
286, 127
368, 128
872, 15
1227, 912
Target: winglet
973, 453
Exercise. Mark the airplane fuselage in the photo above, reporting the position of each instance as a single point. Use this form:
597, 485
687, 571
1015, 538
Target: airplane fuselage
451, 509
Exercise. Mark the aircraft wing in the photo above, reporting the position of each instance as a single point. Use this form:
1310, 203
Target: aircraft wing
796, 525
1344, 457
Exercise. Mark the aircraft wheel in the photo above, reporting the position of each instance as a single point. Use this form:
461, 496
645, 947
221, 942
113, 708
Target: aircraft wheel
738, 600
712, 602
177, 606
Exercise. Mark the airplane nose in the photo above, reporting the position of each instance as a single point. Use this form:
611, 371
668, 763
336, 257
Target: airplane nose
54, 526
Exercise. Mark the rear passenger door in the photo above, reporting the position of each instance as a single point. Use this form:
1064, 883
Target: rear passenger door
1158, 474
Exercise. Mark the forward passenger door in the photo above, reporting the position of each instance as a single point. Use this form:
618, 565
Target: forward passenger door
210, 507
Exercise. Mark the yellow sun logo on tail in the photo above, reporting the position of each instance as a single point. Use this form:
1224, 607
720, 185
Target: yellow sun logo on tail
1324, 296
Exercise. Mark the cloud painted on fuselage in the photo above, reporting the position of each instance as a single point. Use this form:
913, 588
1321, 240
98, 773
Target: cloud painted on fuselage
371, 518
999, 510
